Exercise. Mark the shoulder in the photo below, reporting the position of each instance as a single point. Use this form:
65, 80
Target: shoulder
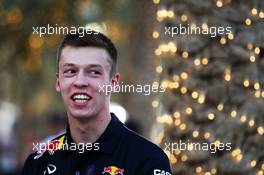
50, 144
152, 158
142, 145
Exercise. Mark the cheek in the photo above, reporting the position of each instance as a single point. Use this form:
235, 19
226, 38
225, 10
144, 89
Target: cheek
97, 87
97, 83
65, 84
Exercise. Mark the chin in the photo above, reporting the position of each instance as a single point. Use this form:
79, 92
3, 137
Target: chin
79, 115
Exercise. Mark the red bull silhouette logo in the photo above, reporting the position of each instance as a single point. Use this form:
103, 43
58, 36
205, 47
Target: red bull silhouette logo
113, 170
51, 147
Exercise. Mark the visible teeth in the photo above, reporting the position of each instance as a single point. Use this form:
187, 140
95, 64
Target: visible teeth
81, 97
81, 101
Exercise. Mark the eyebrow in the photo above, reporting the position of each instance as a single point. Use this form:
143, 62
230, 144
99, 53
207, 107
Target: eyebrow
90, 65
68, 64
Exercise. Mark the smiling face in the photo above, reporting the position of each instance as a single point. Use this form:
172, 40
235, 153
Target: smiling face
82, 71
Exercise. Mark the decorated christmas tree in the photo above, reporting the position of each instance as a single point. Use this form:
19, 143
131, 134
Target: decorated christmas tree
209, 55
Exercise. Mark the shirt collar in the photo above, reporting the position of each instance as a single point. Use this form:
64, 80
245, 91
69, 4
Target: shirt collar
110, 138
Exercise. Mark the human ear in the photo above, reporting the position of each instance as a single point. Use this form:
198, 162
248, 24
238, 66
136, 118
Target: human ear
57, 84
115, 80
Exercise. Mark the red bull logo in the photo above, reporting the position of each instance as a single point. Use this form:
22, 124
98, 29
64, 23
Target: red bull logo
51, 147
113, 170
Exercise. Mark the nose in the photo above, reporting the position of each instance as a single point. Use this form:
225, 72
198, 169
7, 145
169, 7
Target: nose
81, 80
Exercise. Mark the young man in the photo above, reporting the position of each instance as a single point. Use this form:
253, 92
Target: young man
84, 64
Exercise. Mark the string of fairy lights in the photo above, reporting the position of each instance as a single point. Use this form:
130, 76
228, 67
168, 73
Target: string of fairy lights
177, 83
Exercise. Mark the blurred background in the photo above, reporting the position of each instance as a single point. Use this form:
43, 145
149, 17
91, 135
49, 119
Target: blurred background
214, 85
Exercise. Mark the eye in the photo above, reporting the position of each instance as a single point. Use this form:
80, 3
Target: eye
95, 72
69, 71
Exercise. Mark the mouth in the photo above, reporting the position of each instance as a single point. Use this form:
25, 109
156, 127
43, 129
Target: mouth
81, 97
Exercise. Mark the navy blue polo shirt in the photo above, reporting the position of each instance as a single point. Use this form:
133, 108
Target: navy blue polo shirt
118, 151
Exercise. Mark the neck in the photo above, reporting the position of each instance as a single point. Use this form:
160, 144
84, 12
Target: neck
88, 130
